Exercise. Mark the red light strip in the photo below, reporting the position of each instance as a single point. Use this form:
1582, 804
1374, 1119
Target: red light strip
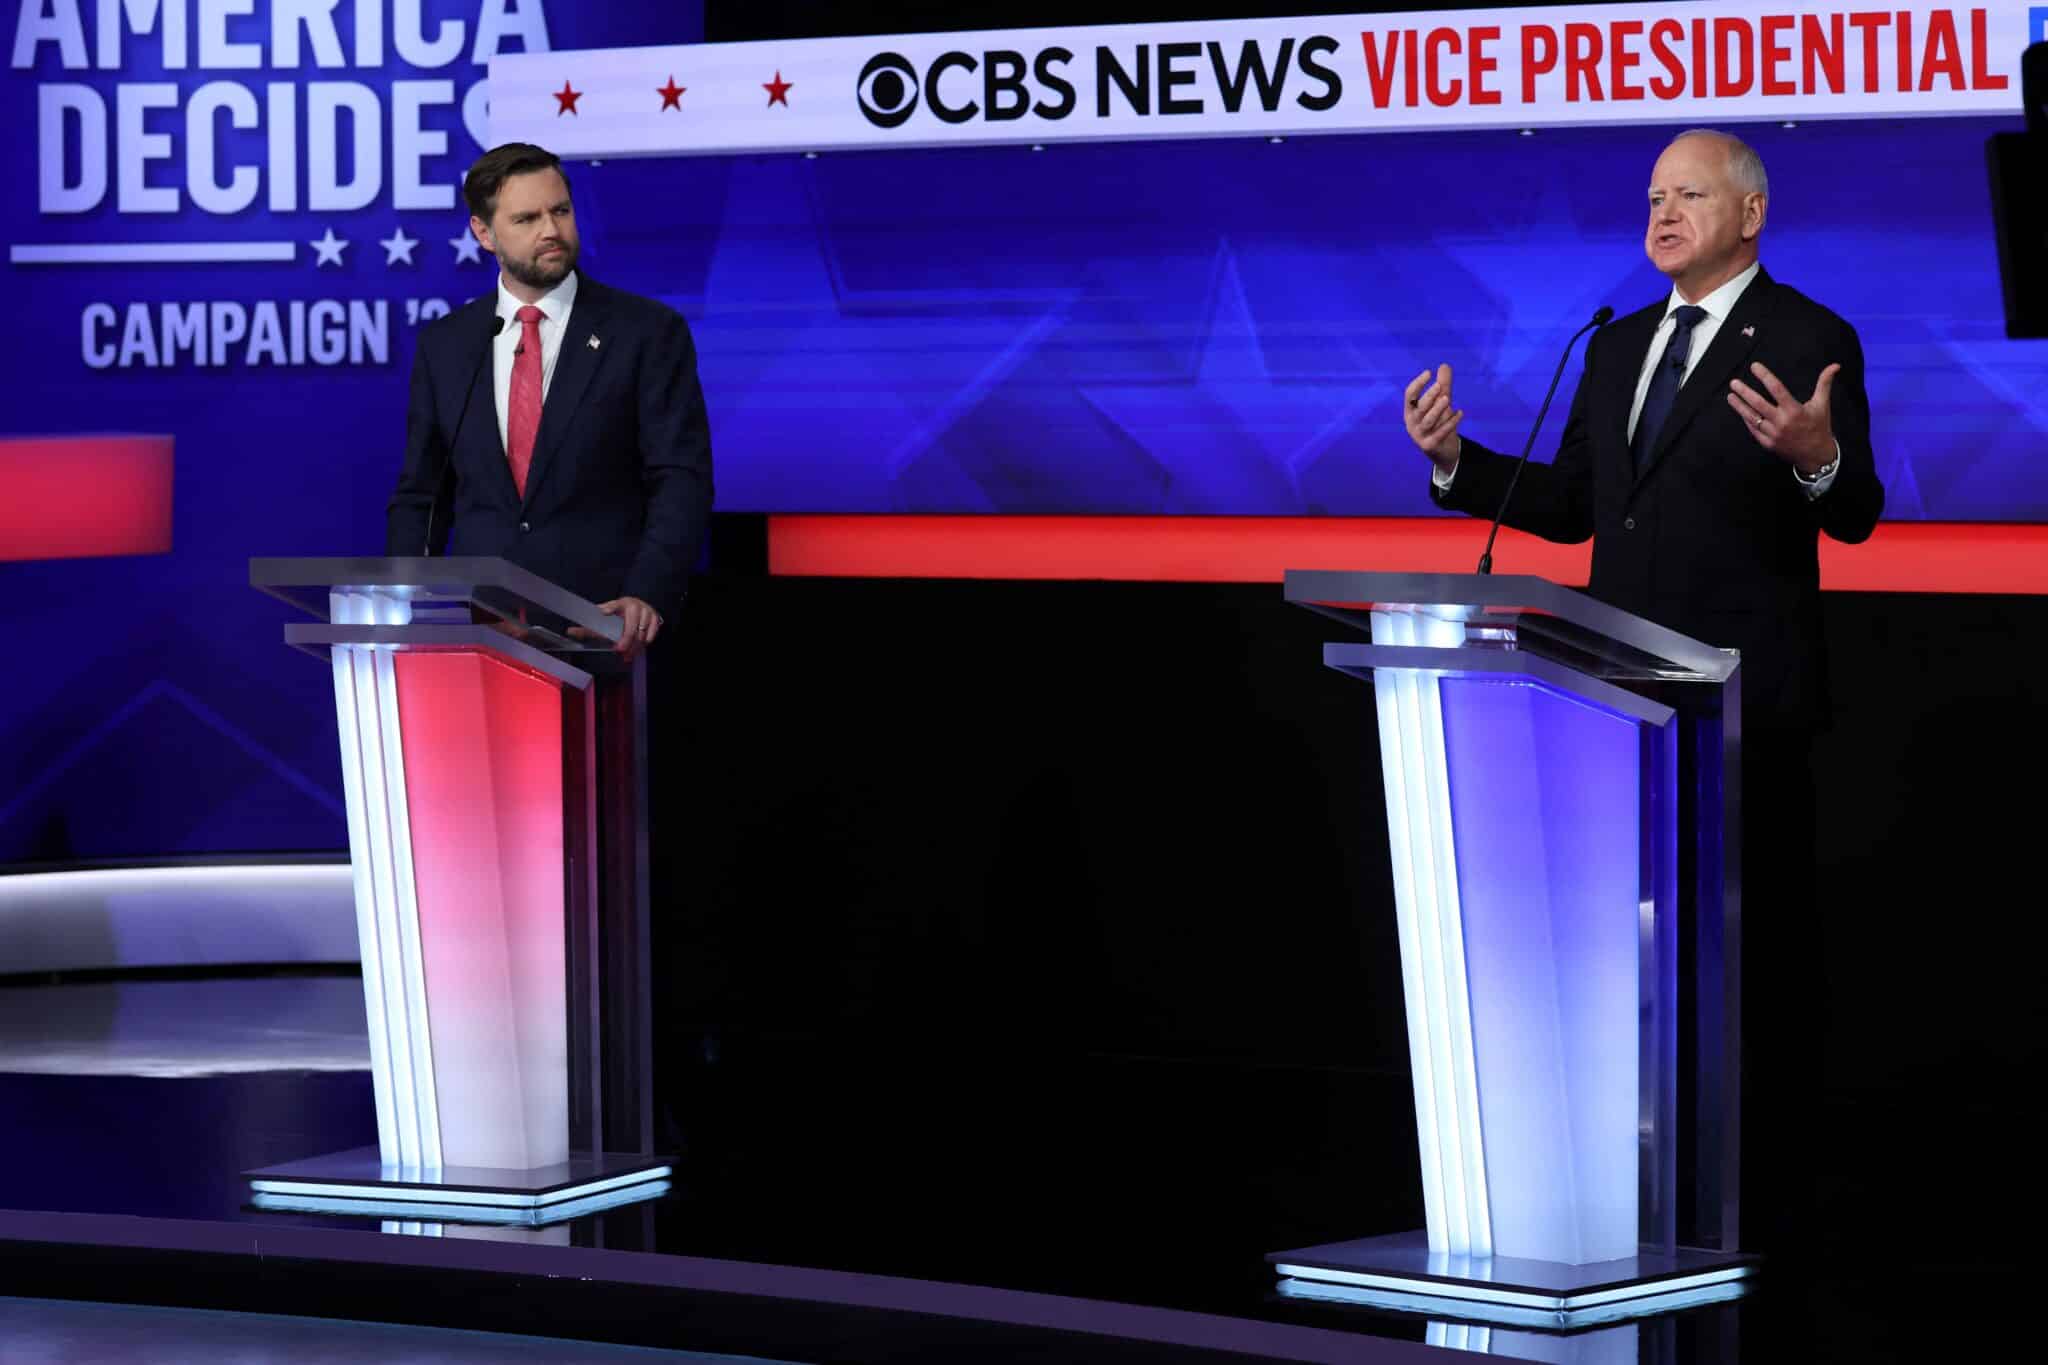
1941, 557
67, 497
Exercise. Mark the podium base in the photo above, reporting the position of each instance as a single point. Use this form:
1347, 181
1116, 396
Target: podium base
1398, 1272
357, 1183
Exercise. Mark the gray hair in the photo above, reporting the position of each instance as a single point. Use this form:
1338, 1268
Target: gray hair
1745, 167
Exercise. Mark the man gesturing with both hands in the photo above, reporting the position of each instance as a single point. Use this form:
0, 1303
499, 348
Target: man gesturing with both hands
1714, 436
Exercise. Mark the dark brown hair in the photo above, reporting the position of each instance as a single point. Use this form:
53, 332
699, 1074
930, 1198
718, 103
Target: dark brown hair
480, 187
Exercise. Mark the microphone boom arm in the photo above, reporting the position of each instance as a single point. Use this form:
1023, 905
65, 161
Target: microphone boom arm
1600, 319
448, 466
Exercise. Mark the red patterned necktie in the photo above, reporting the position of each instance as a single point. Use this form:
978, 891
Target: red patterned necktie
522, 409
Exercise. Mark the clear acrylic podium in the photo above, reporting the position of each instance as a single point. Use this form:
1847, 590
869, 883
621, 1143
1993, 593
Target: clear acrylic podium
493, 754
1562, 808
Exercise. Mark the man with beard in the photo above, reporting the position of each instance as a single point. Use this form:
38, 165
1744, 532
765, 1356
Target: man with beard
596, 472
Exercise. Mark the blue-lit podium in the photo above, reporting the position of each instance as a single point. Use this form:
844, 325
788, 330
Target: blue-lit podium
1562, 808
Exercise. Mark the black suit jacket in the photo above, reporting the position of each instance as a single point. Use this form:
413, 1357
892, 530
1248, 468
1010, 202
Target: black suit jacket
618, 495
1714, 538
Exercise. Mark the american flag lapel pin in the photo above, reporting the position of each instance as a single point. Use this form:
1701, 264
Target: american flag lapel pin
1747, 331
593, 343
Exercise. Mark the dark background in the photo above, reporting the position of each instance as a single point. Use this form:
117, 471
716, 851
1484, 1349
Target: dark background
1083, 887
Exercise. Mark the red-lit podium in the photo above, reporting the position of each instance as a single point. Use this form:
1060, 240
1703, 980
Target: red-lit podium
493, 753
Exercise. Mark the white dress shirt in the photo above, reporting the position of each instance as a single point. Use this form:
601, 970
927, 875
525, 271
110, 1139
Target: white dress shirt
1718, 305
555, 305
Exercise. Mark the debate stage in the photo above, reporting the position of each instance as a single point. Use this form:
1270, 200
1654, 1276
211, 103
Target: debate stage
995, 922
857, 1206
955, 1065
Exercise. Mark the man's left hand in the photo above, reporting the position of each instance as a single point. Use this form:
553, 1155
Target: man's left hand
643, 623
1801, 434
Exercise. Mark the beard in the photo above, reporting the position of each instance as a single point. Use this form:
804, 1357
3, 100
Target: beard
535, 273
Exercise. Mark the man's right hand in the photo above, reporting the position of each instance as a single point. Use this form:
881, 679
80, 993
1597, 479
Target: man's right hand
1431, 420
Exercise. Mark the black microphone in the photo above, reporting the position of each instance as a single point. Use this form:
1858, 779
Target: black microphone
1600, 319
497, 326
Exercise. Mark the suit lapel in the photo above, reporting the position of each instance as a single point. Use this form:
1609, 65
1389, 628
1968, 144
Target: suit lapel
573, 370
1723, 360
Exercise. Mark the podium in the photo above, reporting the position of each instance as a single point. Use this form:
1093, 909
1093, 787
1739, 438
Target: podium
1562, 792
494, 765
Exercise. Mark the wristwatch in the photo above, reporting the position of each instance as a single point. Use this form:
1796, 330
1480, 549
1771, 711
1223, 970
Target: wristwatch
1824, 471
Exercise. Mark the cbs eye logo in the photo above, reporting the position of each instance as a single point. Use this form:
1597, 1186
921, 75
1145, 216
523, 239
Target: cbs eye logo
887, 90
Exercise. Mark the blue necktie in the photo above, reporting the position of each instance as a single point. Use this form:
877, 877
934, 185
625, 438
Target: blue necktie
1670, 373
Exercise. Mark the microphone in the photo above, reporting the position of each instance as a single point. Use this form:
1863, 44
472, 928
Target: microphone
1600, 319
440, 485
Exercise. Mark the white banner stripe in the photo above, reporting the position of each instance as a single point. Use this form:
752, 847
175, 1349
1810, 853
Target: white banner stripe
147, 253
1726, 62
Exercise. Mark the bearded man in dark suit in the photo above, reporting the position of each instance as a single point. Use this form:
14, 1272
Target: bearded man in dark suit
1714, 437
558, 420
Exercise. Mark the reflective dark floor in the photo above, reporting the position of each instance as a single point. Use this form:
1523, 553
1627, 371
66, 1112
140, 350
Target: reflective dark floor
54, 1332
1124, 1179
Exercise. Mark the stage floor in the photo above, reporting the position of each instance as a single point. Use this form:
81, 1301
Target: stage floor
52, 1330
942, 1205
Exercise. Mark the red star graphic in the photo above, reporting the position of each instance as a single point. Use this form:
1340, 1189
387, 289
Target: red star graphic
671, 95
778, 90
567, 98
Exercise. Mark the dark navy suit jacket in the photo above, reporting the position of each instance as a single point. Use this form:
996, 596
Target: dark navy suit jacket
1714, 538
618, 495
